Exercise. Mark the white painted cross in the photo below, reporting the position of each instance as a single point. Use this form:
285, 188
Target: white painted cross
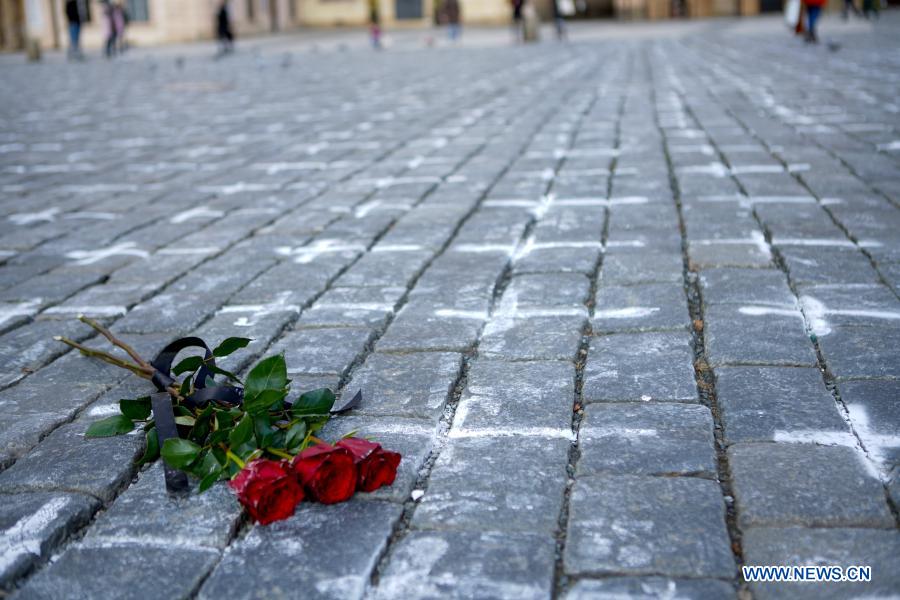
307, 254
26, 535
89, 257
256, 311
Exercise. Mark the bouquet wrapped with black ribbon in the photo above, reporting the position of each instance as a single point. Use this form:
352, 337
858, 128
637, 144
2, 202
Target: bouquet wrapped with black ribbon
245, 431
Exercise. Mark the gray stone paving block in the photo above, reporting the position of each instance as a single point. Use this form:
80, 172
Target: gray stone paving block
347, 307
463, 492
384, 269
67, 461
410, 385
649, 588
420, 326
797, 546
637, 266
502, 566
707, 253
412, 438
510, 396
642, 307
262, 329
860, 305
34, 525
291, 283
321, 552
122, 571
542, 259
648, 526
146, 514
827, 265
640, 366
728, 285
760, 403
647, 439
875, 415
548, 289
666, 240
322, 351
28, 348
862, 351
175, 313
803, 484
532, 338
761, 335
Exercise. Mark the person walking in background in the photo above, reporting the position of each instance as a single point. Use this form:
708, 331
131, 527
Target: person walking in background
813, 11
73, 16
374, 24
223, 29
120, 20
850, 6
870, 9
453, 14
109, 27
561, 10
517, 26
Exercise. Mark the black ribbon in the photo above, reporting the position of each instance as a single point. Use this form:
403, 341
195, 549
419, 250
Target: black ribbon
205, 391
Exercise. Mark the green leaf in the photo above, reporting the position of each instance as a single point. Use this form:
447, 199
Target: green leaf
208, 481
151, 452
268, 374
205, 464
316, 402
294, 436
223, 372
137, 409
264, 431
230, 345
186, 421
110, 426
179, 453
242, 433
185, 389
191, 363
261, 402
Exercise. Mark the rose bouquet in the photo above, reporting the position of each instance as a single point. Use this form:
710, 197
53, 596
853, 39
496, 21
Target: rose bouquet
245, 431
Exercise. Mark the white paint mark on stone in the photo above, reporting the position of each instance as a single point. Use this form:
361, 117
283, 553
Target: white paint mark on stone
43, 216
103, 310
454, 313
756, 239
830, 438
104, 410
91, 215
307, 254
19, 309
632, 312
178, 251
416, 495
397, 248
816, 313
507, 249
24, 537
494, 432
825, 242
199, 212
280, 305
89, 257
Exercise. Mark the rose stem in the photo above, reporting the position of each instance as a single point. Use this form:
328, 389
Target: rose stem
234, 457
136, 369
280, 453
115, 341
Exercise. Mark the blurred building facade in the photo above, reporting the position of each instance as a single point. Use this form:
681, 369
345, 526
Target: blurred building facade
160, 21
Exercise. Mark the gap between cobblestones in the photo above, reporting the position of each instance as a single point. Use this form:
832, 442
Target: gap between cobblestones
561, 581
402, 526
703, 373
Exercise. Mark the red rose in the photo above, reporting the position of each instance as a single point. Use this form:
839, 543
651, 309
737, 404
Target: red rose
268, 490
377, 467
327, 473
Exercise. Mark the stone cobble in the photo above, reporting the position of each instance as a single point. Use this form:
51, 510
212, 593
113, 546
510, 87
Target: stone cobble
629, 311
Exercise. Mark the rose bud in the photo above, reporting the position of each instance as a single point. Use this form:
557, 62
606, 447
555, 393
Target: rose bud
268, 490
376, 466
327, 473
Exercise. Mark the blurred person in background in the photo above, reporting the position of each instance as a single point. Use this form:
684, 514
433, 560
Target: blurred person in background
73, 16
561, 10
453, 14
121, 18
813, 11
850, 6
870, 8
223, 29
109, 27
374, 24
517, 26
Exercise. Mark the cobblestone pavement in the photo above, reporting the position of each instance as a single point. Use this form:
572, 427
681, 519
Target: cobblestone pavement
628, 309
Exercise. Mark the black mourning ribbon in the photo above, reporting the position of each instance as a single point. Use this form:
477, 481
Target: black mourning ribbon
206, 390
